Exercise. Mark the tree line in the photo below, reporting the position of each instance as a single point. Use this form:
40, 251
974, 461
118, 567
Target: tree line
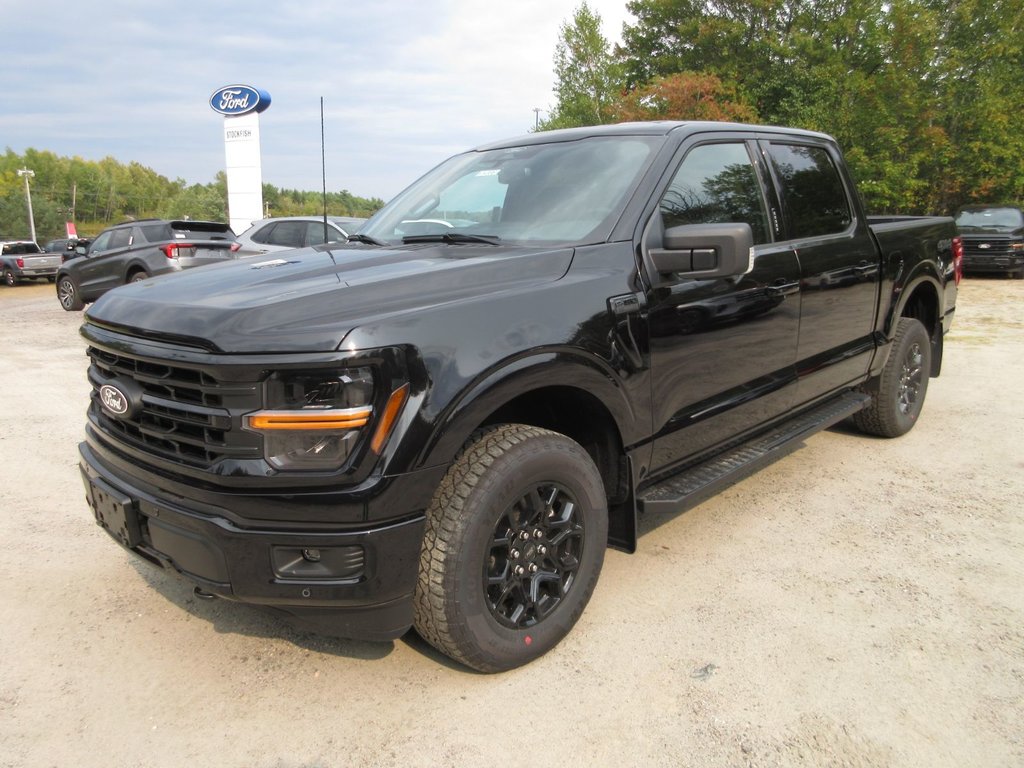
97, 194
925, 96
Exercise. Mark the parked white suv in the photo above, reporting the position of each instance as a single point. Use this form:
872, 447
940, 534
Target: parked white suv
282, 233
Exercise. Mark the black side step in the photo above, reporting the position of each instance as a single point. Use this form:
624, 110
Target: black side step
694, 485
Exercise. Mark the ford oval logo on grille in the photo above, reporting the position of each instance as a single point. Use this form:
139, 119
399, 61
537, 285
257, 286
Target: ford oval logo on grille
114, 400
233, 100
985, 246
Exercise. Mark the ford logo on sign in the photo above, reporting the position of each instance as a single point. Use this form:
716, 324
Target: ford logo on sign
232, 100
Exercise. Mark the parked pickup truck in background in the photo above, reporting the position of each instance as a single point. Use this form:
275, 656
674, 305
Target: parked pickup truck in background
443, 424
993, 238
24, 260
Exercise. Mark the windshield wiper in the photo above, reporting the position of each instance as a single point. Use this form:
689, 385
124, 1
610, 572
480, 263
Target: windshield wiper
360, 238
452, 237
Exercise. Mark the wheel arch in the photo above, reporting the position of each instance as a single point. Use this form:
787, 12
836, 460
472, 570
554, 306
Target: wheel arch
921, 301
566, 393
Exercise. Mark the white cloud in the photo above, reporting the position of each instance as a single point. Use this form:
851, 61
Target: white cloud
405, 83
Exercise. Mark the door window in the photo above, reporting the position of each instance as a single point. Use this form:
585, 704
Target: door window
815, 198
716, 184
101, 243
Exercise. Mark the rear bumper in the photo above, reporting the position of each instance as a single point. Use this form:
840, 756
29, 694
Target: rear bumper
354, 580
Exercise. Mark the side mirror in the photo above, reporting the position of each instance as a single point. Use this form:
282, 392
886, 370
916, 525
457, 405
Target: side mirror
705, 250
80, 250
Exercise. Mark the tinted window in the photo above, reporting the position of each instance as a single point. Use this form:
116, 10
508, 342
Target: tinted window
716, 184
815, 198
120, 238
315, 233
288, 233
201, 230
155, 233
101, 243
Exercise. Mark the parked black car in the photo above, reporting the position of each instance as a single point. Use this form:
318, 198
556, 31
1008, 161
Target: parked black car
136, 250
993, 237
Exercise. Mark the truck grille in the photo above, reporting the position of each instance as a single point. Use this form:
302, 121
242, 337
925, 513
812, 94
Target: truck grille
187, 415
987, 249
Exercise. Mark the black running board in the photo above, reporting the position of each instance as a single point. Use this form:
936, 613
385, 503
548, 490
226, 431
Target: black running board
692, 486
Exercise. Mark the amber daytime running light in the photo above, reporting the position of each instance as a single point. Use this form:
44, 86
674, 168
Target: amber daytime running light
314, 419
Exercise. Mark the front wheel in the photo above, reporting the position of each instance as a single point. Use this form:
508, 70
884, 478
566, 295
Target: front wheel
902, 385
68, 296
514, 544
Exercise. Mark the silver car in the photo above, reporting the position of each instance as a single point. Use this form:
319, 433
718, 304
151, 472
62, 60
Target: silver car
284, 232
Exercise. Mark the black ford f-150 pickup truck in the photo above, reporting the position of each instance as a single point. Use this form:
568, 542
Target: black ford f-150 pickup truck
443, 423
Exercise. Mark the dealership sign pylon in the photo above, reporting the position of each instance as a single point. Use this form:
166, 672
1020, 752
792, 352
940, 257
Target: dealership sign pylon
241, 106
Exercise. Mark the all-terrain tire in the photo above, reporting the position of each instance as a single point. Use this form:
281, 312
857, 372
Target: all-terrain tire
514, 543
902, 385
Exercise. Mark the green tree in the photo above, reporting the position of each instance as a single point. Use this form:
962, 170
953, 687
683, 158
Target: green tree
588, 78
924, 95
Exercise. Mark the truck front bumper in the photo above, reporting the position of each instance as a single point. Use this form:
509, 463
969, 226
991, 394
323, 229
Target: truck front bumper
352, 580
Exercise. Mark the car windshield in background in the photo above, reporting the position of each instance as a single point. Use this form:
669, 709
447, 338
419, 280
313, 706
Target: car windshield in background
559, 193
985, 218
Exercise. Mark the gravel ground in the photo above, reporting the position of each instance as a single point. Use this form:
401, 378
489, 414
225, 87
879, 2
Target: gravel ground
858, 603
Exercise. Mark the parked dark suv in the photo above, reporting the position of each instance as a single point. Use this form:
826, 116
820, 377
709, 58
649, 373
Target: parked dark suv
136, 250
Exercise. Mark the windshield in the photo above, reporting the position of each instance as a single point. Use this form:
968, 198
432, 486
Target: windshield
984, 218
559, 193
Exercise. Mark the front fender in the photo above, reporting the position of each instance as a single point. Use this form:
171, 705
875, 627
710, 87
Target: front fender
571, 373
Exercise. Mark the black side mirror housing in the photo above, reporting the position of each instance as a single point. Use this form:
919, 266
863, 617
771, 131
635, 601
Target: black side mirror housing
705, 250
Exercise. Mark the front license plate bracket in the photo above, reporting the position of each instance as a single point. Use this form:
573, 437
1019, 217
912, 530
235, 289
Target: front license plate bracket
115, 512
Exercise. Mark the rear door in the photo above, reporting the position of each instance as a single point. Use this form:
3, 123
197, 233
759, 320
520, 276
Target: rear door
839, 263
723, 349
102, 268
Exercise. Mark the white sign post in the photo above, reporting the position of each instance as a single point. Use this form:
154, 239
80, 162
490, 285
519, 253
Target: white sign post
241, 105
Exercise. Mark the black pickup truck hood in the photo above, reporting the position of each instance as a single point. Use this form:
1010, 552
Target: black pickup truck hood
310, 299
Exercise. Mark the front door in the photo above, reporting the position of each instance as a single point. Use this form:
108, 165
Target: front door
723, 349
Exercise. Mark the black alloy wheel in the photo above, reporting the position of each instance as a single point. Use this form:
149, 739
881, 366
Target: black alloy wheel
513, 546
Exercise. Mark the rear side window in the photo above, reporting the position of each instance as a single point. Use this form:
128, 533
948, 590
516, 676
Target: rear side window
156, 233
291, 234
716, 184
815, 198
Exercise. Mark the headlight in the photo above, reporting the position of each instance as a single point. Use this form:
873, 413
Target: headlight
313, 420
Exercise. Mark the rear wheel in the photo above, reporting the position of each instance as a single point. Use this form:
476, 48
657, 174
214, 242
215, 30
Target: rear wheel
513, 547
68, 296
136, 277
902, 385
10, 278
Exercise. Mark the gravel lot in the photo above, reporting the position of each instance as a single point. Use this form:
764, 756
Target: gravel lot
859, 603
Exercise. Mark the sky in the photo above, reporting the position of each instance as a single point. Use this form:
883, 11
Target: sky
404, 84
